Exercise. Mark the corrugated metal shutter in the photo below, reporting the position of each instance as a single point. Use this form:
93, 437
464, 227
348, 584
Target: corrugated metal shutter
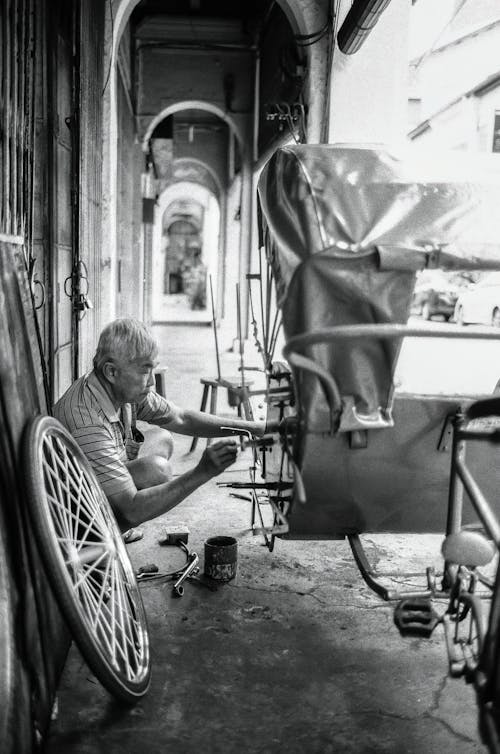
17, 56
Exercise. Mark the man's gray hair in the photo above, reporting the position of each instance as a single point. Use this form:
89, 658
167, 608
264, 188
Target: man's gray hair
124, 340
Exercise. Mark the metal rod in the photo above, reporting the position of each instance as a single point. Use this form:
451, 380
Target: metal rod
268, 308
214, 323
240, 337
262, 323
479, 502
297, 342
455, 489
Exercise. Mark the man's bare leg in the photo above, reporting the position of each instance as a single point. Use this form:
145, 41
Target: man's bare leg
152, 466
157, 441
148, 471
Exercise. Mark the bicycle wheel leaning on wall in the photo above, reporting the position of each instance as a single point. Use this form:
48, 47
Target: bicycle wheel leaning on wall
86, 560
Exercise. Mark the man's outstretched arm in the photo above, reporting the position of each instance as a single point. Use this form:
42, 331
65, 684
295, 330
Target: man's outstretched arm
133, 508
201, 424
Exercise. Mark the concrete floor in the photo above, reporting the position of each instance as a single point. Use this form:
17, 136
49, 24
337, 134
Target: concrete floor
295, 655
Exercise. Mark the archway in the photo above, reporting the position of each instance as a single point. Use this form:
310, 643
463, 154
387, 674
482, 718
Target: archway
185, 253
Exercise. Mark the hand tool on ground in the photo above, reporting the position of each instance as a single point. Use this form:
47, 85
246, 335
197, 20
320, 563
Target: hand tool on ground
191, 569
147, 570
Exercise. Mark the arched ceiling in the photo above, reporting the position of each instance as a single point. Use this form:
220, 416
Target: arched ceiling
205, 54
186, 210
189, 157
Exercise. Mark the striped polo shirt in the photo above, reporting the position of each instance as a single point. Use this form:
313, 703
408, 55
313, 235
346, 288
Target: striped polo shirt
106, 435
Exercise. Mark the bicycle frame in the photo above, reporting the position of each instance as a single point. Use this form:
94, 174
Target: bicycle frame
487, 676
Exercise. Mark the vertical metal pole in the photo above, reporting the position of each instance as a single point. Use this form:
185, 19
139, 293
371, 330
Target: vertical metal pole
214, 322
240, 338
456, 489
455, 494
256, 105
75, 182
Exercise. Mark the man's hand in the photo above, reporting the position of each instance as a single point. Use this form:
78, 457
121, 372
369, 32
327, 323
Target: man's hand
217, 457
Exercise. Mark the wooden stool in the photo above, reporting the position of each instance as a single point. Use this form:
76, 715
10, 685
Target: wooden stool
211, 386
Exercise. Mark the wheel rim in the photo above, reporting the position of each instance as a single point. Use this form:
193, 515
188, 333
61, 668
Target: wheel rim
83, 544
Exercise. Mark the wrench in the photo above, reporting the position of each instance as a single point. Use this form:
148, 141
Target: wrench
191, 569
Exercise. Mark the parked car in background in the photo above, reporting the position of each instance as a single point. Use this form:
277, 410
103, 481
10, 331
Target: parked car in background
479, 304
434, 294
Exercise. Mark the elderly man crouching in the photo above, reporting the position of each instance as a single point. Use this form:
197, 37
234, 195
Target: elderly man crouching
101, 408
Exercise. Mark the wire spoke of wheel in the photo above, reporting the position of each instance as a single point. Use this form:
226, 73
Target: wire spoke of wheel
127, 622
86, 560
66, 502
91, 504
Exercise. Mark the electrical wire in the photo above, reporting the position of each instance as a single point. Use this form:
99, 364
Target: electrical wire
438, 37
306, 40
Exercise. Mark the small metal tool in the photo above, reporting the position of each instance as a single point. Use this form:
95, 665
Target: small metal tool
238, 431
147, 571
191, 569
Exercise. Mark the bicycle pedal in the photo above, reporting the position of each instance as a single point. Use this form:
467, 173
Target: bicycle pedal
415, 617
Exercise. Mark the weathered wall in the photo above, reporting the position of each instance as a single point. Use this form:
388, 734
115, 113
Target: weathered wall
368, 97
90, 201
447, 72
467, 124
130, 268
307, 17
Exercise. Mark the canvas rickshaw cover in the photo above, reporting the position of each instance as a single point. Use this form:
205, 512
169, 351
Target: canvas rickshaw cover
346, 228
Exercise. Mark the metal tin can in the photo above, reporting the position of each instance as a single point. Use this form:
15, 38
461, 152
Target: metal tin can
221, 557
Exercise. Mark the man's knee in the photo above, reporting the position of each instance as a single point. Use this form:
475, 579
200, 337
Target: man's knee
148, 471
157, 441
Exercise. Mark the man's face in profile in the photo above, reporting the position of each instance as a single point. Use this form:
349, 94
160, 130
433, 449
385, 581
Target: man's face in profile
134, 378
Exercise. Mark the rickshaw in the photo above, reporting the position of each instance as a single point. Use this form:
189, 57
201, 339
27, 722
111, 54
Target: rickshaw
345, 229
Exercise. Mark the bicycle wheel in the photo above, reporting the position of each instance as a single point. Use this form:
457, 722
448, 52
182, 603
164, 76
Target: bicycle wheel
468, 634
488, 677
86, 560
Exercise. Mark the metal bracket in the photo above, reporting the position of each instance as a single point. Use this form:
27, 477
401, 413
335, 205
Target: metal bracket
367, 573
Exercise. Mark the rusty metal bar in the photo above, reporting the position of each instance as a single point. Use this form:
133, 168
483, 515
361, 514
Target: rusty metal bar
14, 104
21, 105
6, 226
3, 108
30, 158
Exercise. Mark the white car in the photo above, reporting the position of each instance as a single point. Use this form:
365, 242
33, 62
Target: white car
480, 303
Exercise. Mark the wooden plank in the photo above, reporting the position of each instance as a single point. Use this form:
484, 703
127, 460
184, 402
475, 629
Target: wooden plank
42, 640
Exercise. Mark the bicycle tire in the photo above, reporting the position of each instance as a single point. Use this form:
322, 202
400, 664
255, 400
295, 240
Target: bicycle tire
86, 561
